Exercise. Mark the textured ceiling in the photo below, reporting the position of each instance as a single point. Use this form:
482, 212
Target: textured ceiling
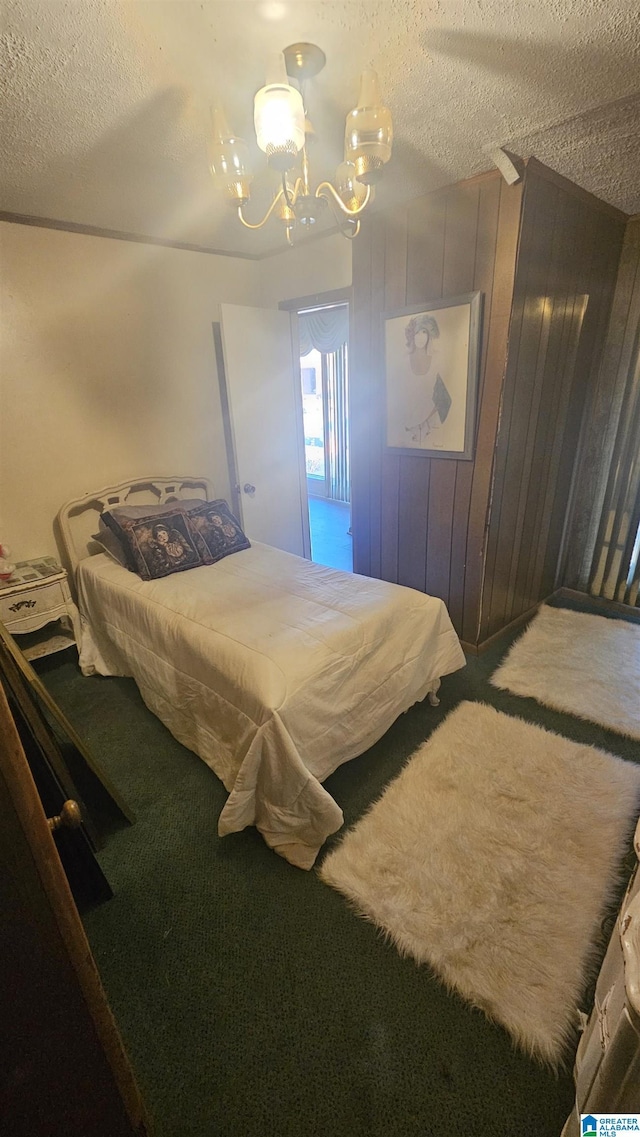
106, 102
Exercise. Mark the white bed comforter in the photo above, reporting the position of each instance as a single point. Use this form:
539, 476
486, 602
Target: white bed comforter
273, 669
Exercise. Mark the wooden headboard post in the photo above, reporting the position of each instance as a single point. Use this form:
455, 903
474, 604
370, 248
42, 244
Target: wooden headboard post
78, 519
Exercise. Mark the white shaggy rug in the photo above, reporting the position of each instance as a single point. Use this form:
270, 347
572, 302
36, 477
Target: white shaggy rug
586, 665
491, 858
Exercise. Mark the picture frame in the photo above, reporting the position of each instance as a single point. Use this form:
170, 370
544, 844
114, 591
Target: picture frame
432, 361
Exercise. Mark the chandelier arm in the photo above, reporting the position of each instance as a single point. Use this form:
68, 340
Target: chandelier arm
326, 190
285, 190
354, 231
292, 197
249, 225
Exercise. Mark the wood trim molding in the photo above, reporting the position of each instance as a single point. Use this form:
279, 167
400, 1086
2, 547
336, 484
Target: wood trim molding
318, 300
118, 235
536, 167
523, 618
469, 649
600, 603
142, 239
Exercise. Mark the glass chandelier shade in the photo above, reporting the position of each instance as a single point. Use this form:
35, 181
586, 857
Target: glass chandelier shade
279, 118
351, 191
229, 159
369, 132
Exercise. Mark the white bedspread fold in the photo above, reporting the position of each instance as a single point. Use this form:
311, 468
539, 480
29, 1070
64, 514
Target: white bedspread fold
273, 669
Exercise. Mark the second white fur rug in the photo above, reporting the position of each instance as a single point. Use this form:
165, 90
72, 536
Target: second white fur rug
586, 665
491, 858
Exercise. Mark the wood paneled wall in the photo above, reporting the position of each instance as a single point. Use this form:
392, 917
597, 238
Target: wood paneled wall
421, 521
483, 535
602, 415
567, 262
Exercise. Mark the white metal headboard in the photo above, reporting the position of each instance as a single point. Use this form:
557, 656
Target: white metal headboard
77, 521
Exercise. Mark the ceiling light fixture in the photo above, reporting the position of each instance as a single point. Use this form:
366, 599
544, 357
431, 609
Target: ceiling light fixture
282, 131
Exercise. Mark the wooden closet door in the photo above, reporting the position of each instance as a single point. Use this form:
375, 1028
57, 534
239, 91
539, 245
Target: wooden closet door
64, 1070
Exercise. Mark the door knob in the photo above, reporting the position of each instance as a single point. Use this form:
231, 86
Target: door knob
248, 488
69, 817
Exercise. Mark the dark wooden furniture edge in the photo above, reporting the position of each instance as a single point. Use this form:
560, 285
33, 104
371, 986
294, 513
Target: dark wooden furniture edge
22, 665
32, 820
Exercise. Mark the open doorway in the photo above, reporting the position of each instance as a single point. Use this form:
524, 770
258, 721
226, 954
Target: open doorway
324, 369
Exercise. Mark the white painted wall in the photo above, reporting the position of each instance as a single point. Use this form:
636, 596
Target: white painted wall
107, 365
310, 267
107, 369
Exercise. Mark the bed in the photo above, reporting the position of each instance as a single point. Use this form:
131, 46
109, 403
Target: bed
273, 669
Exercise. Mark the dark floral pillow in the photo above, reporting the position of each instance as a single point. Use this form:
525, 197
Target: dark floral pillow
216, 531
158, 546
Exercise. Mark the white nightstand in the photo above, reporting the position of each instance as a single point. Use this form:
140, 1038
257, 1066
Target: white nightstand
37, 594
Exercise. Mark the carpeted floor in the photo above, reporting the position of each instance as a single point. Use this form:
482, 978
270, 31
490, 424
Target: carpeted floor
251, 1000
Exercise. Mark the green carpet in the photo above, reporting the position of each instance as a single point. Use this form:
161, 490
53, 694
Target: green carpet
252, 1002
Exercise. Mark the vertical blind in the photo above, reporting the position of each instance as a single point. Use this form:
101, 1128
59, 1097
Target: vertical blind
327, 330
610, 539
615, 568
334, 382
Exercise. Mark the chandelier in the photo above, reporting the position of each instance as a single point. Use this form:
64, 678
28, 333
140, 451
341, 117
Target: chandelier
282, 132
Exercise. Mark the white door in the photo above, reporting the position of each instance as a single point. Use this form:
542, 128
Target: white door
265, 408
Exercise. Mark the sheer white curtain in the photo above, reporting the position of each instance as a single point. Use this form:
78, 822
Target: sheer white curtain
326, 329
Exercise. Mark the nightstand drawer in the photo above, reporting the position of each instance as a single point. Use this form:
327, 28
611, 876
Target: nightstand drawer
32, 604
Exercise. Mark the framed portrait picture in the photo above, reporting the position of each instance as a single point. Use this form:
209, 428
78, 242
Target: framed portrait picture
432, 354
